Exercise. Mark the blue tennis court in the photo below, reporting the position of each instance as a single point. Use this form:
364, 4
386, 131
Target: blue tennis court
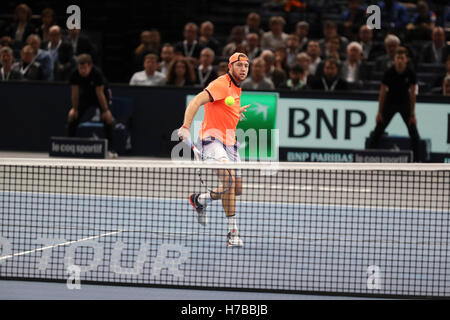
288, 247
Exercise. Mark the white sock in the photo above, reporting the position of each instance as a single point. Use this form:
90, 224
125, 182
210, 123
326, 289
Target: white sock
232, 223
205, 199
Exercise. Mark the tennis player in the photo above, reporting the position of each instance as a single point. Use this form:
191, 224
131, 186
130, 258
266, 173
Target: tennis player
217, 137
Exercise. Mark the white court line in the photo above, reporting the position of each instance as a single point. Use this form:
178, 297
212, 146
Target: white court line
57, 245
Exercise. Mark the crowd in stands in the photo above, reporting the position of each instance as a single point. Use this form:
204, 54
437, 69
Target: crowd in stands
347, 56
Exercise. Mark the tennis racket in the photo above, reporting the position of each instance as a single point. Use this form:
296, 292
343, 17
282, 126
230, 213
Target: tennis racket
216, 181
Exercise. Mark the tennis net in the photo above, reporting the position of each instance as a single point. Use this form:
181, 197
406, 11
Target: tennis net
358, 229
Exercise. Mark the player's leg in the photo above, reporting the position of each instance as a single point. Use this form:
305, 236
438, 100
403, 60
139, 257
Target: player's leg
73, 120
233, 155
108, 127
238, 186
387, 114
211, 150
412, 131
230, 200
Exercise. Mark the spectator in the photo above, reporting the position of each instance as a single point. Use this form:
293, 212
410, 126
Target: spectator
370, 49
257, 79
437, 85
237, 38
353, 17
29, 69
437, 50
330, 30
446, 86
66, 63
42, 56
393, 14
90, 89
207, 39
302, 31
277, 76
82, 44
6, 61
167, 55
297, 80
422, 23
281, 59
150, 76
241, 48
274, 5
294, 5
253, 47
397, 94
330, 80
48, 19
181, 73
314, 52
189, 48
55, 40
384, 62
150, 42
253, 24
292, 49
22, 27
351, 70
303, 60
6, 41
205, 71
276, 36
222, 68
332, 48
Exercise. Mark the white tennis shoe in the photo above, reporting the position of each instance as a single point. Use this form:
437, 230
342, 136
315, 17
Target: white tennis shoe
233, 239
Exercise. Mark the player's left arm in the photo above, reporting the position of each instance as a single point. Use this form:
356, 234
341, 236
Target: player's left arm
412, 101
242, 110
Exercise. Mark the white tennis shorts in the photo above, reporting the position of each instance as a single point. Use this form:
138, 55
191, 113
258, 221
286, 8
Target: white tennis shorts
213, 149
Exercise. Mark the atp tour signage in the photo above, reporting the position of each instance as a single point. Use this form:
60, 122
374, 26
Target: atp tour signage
345, 124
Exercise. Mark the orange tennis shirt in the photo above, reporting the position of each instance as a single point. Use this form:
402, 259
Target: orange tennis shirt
220, 120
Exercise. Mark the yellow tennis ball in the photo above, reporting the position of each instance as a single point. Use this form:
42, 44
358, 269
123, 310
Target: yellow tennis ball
229, 101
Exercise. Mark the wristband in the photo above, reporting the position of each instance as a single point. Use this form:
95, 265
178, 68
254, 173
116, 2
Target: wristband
183, 126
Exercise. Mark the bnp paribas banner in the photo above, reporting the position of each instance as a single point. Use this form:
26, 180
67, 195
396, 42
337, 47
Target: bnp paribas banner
257, 133
345, 124
289, 128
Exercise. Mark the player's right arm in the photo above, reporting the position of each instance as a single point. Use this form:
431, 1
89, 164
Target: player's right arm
191, 110
381, 100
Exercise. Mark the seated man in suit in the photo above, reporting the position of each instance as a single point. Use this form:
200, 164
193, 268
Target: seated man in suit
81, 44
6, 61
30, 69
352, 68
437, 50
330, 80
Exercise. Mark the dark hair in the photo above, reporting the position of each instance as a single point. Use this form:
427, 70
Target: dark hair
84, 58
297, 69
190, 73
26, 8
401, 50
332, 61
151, 55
